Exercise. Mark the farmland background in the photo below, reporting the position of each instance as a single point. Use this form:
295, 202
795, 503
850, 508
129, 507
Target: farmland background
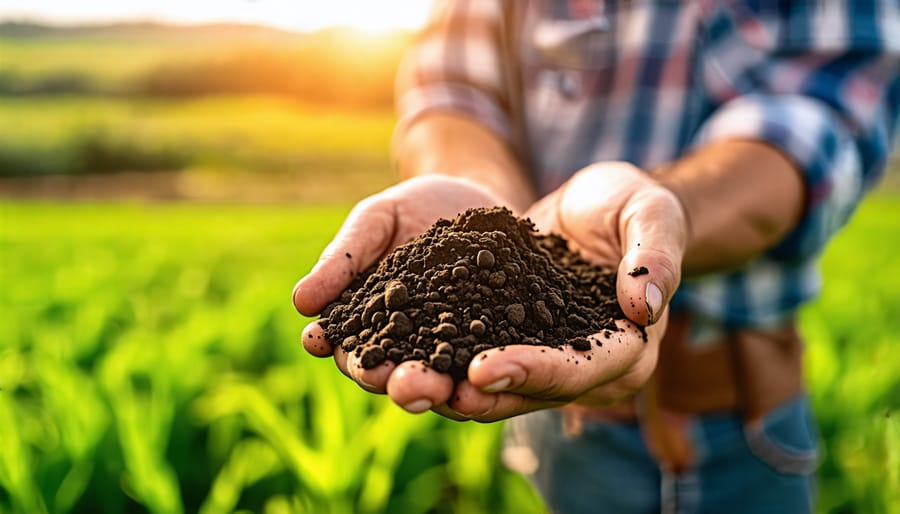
149, 356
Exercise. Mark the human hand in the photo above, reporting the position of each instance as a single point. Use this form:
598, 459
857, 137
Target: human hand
380, 223
614, 215
605, 211
372, 230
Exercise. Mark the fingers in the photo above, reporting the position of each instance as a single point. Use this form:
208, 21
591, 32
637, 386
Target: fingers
634, 378
362, 239
372, 380
616, 215
516, 379
469, 402
557, 373
340, 360
418, 388
411, 385
519, 379
654, 238
444, 410
314, 342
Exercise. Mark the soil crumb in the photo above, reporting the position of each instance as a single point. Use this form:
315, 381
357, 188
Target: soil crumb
636, 272
483, 280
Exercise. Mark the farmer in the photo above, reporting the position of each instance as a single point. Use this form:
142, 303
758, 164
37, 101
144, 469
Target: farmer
718, 144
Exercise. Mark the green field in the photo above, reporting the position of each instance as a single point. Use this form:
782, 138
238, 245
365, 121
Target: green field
216, 99
112, 68
149, 356
226, 136
149, 361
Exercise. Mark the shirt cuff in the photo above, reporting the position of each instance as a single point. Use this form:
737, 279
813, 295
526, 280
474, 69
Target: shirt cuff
457, 98
811, 135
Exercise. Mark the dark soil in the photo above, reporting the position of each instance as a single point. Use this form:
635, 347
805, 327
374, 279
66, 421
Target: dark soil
636, 272
483, 280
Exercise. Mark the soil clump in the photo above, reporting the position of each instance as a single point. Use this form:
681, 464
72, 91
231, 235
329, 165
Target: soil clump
486, 279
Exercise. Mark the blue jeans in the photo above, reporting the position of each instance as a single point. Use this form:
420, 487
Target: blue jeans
764, 467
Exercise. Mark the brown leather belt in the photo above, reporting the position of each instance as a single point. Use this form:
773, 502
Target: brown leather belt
747, 371
751, 371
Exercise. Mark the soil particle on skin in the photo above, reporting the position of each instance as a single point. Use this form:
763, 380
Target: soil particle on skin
481, 281
641, 270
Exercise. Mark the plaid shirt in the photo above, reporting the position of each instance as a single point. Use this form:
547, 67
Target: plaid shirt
569, 83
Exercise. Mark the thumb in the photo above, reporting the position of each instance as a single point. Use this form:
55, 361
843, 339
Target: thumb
654, 230
362, 239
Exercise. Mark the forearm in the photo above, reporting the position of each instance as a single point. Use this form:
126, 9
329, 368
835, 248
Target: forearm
455, 145
741, 198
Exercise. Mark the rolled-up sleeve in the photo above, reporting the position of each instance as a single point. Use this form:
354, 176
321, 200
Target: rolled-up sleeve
820, 81
456, 65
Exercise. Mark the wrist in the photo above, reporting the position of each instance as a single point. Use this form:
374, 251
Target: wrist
453, 145
674, 186
740, 198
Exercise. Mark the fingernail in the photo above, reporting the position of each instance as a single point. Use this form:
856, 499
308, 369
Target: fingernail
294, 294
418, 406
653, 298
497, 386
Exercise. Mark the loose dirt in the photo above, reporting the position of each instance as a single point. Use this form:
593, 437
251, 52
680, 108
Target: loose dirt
483, 280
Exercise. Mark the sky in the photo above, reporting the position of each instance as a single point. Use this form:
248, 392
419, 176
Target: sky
303, 15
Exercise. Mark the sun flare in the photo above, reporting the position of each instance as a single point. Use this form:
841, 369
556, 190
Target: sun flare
363, 15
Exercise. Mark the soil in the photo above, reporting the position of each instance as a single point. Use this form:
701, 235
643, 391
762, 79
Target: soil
636, 272
483, 280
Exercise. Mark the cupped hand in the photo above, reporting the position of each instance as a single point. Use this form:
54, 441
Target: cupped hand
610, 212
614, 215
379, 224
373, 229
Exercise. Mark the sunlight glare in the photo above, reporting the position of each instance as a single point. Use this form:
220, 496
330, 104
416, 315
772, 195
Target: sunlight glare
303, 15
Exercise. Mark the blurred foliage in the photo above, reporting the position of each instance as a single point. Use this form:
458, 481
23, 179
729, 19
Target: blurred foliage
149, 97
75, 135
332, 67
853, 362
149, 361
